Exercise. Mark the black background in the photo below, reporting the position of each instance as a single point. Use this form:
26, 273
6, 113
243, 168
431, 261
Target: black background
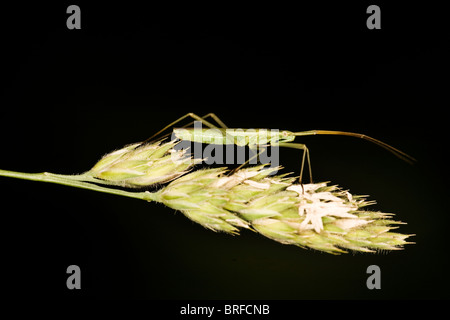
71, 96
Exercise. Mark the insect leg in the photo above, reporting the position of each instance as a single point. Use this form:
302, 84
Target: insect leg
190, 114
305, 155
215, 118
251, 147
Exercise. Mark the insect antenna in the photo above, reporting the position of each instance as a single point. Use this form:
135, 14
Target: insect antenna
399, 154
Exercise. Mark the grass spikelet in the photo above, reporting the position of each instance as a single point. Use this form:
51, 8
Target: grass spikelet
317, 216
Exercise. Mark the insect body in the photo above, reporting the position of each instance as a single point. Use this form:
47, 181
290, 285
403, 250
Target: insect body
239, 137
261, 137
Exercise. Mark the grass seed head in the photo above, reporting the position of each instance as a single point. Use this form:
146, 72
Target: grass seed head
196, 195
140, 165
316, 216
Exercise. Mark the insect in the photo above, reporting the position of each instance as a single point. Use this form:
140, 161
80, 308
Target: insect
261, 138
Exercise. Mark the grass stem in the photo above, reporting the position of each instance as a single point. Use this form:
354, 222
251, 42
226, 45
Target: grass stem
83, 181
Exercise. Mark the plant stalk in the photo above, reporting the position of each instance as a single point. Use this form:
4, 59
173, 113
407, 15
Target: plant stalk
83, 181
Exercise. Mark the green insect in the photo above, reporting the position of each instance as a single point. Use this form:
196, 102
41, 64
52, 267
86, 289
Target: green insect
261, 138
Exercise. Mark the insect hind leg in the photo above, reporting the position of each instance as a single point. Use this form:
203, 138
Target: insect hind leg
192, 115
209, 124
216, 119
